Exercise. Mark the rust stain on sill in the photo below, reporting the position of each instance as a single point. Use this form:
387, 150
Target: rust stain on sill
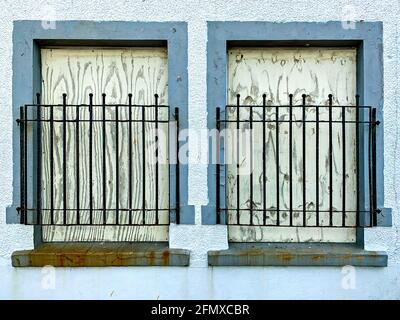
165, 257
151, 258
286, 257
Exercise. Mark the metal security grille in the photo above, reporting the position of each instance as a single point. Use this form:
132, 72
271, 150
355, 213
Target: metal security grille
71, 132
329, 124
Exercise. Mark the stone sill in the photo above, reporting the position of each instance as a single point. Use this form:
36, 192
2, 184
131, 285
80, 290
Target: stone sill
101, 255
296, 254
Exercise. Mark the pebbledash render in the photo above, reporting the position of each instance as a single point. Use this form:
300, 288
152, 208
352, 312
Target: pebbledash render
200, 151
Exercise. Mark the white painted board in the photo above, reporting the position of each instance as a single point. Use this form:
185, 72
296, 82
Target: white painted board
278, 72
78, 71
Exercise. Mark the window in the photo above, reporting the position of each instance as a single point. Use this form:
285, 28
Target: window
305, 196
84, 150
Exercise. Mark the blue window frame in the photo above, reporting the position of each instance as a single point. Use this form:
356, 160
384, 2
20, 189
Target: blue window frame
367, 36
28, 36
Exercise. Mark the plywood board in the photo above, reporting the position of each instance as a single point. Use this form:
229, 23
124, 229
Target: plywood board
278, 72
115, 72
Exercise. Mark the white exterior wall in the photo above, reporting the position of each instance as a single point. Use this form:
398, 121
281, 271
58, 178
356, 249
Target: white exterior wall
200, 281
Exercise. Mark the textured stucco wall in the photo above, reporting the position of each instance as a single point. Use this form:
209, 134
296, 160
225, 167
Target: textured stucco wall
198, 281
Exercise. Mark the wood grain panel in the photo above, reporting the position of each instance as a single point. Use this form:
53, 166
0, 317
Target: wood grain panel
115, 72
277, 72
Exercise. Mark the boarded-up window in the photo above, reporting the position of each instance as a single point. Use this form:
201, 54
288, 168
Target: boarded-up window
115, 72
278, 72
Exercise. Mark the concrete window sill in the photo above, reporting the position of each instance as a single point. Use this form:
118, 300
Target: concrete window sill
296, 254
101, 255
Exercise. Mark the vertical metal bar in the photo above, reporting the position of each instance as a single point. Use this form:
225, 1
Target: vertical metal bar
330, 163
39, 161
169, 168
370, 178
304, 159
178, 201
157, 162
218, 167
277, 164
358, 160
22, 165
64, 155
25, 124
130, 157
90, 158
370, 167
291, 159
373, 146
237, 158
264, 164
117, 164
317, 165
344, 166
52, 164
77, 138
143, 165
104, 159
251, 165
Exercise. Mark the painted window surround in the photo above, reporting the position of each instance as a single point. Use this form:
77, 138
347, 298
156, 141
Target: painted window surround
28, 36
367, 36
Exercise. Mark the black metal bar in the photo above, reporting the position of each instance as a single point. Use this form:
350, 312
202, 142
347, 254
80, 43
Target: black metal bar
26, 165
52, 165
178, 201
109, 209
251, 165
130, 156
291, 159
109, 224
370, 179
64, 155
117, 165
23, 194
277, 165
91, 158
337, 226
285, 106
77, 139
264, 161
157, 161
294, 121
304, 158
104, 160
143, 165
165, 209
169, 167
344, 166
330, 162
374, 123
121, 105
317, 166
218, 166
39, 157
238, 158
357, 161
100, 120
165, 121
